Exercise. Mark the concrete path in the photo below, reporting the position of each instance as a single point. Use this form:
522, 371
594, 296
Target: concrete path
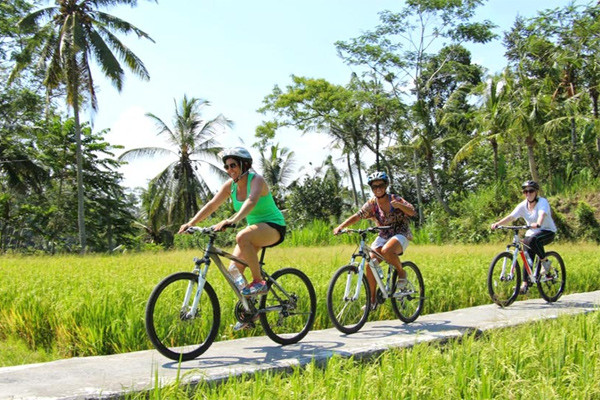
111, 376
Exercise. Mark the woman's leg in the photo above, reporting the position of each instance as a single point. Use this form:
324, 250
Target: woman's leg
390, 252
250, 240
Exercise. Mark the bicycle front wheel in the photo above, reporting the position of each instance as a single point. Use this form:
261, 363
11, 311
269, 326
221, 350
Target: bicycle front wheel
504, 279
172, 328
347, 313
407, 301
287, 310
552, 284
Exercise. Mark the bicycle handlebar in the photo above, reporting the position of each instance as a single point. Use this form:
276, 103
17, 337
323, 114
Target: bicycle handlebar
514, 228
370, 229
209, 230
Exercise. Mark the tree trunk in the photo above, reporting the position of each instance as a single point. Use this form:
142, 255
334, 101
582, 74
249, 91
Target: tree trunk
419, 188
594, 95
494, 143
354, 192
574, 141
436, 188
531, 158
358, 169
79, 155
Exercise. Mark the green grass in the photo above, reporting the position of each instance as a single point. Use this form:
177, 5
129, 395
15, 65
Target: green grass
65, 306
557, 359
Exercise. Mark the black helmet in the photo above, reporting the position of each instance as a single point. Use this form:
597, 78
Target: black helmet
378, 176
531, 184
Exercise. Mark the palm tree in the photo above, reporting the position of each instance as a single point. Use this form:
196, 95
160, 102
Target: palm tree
74, 31
491, 120
193, 144
277, 168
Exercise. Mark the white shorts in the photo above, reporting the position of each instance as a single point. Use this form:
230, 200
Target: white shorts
379, 241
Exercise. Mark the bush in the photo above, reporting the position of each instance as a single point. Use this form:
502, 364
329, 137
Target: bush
588, 226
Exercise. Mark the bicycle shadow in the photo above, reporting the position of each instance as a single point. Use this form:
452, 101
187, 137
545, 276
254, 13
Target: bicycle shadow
302, 353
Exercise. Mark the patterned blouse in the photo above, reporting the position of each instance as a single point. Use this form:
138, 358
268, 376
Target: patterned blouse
395, 218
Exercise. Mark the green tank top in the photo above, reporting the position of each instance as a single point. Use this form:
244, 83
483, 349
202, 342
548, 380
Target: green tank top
265, 209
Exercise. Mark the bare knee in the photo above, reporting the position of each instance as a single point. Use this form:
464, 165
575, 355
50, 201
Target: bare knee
242, 238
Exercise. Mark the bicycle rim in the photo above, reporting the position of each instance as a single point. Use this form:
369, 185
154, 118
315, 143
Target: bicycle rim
503, 280
348, 315
287, 310
407, 303
173, 331
552, 284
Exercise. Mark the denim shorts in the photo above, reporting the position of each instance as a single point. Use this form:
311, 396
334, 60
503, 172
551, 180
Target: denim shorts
380, 242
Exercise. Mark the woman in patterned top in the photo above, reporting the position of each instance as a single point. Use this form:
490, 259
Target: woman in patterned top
387, 210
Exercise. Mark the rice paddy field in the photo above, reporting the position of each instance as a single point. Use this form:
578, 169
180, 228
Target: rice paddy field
548, 360
55, 307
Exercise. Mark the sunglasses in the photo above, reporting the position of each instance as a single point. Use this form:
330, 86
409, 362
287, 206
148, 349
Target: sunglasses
380, 186
232, 166
528, 191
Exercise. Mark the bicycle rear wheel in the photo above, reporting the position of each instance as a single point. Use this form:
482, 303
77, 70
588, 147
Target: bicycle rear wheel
552, 284
348, 315
503, 280
407, 302
172, 330
287, 310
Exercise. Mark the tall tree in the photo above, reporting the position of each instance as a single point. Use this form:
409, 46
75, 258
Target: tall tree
63, 40
400, 50
192, 139
490, 119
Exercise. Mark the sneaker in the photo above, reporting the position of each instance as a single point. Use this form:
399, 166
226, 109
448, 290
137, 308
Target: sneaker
402, 284
374, 305
255, 288
245, 325
524, 288
546, 268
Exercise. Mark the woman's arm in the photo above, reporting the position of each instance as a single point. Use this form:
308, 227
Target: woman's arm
350, 221
209, 207
404, 206
504, 220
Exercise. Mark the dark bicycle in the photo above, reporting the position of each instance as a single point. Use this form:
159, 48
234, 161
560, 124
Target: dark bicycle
183, 312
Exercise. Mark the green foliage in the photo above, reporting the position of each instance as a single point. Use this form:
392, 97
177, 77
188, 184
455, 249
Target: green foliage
475, 213
43, 216
588, 226
313, 198
94, 305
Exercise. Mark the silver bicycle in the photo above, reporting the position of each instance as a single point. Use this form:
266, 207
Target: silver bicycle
349, 295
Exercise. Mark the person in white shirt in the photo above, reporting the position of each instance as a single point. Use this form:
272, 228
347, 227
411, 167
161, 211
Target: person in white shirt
536, 211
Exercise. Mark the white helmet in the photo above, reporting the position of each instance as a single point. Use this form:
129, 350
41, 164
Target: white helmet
236, 152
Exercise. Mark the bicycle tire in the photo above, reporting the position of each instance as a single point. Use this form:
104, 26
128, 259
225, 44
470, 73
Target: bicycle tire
288, 315
552, 288
346, 315
503, 290
175, 335
408, 304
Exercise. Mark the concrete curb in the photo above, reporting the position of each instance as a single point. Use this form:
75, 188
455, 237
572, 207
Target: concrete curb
113, 376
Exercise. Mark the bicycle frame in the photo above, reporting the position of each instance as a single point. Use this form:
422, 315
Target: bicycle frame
213, 253
519, 250
364, 251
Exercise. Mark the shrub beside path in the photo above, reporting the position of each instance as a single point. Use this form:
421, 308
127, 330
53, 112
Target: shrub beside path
111, 376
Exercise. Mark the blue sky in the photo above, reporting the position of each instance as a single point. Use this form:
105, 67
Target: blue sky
233, 52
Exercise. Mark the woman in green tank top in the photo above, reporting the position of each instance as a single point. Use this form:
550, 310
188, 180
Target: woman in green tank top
251, 200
